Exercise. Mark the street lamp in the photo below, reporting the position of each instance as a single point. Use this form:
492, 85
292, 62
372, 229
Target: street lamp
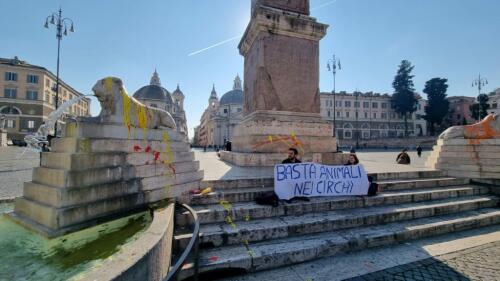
479, 83
332, 65
60, 23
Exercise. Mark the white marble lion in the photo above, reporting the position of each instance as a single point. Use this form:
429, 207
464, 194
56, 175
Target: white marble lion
488, 128
116, 103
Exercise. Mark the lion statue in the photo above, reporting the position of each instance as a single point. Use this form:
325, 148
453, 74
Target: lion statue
488, 128
118, 107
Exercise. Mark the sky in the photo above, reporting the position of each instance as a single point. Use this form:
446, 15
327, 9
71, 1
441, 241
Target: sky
194, 43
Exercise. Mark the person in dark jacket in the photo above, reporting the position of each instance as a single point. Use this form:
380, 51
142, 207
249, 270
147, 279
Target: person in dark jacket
373, 188
292, 156
419, 151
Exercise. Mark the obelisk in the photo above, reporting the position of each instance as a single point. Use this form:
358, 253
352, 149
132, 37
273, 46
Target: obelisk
281, 86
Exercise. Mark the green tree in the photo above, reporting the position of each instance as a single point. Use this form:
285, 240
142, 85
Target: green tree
474, 111
404, 98
483, 99
438, 105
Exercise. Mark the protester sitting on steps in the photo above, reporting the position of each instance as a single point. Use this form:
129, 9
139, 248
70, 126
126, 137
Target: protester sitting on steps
373, 188
403, 157
292, 156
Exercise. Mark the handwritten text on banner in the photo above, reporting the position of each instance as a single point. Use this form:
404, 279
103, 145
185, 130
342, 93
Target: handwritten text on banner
311, 180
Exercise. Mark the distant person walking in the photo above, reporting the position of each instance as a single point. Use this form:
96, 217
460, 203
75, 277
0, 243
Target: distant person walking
352, 150
419, 151
403, 157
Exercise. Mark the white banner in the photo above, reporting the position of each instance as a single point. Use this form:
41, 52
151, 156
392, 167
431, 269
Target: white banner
311, 180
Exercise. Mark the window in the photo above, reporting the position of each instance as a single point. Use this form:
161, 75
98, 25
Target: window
366, 104
31, 124
347, 134
10, 93
347, 104
366, 114
31, 95
10, 110
366, 135
239, 109
329, 113
384, 115
356, 104
375, 105
374, 115
10, 123
356, 114
338, 113
33, 79
10, 76
225, 110
384, 105
339, 103
347, 114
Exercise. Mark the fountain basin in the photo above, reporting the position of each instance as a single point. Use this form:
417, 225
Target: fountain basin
121, 248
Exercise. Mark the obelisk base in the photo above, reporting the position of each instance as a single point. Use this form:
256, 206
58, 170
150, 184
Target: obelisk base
264, 137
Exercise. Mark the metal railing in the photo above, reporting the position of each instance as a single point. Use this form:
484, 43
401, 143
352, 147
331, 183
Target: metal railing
192, 245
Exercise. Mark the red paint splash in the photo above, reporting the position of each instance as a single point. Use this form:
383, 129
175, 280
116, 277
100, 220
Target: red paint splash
137, 148
156, 155
213, 258
148, 149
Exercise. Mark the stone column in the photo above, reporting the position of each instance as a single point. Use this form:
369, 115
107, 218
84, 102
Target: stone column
281, 85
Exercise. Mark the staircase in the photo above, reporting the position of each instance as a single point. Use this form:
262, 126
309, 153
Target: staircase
236, 233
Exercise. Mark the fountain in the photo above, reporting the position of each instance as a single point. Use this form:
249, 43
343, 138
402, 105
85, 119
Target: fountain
106, 169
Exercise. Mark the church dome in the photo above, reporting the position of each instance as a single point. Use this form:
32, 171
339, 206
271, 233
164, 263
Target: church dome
154, 91
235, 96
232, 97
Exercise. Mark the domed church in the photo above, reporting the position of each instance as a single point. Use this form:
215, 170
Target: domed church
155, 95
221, 116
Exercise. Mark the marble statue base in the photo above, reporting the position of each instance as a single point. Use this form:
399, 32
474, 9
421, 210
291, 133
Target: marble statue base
101, 171
264, 137
467, 158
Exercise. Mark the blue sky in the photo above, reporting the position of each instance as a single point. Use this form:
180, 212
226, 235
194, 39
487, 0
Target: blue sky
455, 39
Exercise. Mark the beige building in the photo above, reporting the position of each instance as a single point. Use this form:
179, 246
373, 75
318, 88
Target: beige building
221, 116
494, 101
362, 116
28, 96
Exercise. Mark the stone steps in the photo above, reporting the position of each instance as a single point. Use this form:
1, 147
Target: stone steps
292, 250
226, 233
244, 194
267, 182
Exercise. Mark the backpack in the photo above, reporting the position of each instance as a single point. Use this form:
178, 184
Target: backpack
267, 198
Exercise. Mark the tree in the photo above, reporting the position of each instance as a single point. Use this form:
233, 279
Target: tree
438, 105
404, 98
474, 111
483, 99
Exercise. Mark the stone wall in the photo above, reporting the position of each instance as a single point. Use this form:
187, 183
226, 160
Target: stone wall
424, 142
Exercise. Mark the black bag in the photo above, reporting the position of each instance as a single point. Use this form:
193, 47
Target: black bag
373, 189
267, 198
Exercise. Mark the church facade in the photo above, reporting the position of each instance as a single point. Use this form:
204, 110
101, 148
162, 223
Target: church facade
155, 95
220, 117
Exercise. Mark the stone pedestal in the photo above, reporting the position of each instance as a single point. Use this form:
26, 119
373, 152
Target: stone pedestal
101, 171
467, 158
282, 104
264, 137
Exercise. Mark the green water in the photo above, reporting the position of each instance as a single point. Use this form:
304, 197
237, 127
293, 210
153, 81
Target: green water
25, 255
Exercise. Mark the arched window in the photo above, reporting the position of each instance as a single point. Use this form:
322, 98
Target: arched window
10, 110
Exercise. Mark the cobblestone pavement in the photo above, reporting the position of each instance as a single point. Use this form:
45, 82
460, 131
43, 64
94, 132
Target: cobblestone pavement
15, 170
479, 263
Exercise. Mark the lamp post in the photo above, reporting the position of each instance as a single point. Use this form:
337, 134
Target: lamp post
60, 23
332, 65
479, 83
